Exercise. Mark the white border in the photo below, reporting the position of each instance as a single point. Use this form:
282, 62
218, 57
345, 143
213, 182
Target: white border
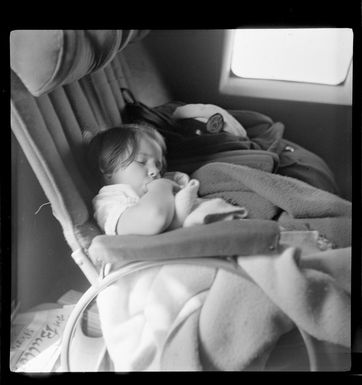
284, 90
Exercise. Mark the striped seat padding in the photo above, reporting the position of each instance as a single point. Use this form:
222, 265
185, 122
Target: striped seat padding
51, 130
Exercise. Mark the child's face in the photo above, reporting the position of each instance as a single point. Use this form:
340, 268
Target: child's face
143, 169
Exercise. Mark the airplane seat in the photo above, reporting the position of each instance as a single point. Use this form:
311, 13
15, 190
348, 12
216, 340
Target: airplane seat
65, 87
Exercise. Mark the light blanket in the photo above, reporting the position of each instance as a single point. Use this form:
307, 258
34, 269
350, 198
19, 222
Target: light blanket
186, 318
190, 210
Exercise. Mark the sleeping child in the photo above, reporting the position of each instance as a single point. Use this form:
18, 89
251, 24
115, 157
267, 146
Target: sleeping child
137, 195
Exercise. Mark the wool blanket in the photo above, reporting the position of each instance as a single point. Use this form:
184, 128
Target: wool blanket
284, 310
294, 203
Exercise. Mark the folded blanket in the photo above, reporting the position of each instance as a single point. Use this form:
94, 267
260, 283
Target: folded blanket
183, 317
190, 210
240, 322
267, 195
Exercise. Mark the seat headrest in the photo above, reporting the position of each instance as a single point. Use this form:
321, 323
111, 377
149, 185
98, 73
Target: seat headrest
46, 59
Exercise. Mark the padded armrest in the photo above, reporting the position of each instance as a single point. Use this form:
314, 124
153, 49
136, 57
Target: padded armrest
236, 237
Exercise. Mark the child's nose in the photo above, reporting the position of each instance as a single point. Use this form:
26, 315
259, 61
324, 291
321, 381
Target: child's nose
154, 173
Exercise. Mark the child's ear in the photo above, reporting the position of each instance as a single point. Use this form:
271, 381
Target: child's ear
107, 178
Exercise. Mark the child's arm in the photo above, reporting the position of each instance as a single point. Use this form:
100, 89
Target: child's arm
153, 213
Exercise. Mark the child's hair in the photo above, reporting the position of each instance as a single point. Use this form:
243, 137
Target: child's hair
117, 147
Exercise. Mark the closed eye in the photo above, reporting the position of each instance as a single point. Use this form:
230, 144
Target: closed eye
159, 165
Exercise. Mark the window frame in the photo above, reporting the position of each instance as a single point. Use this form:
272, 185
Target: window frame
230, 84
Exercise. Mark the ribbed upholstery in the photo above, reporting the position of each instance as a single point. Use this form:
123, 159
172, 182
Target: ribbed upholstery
112, 80
123, 73
105, 99
60, 141
80, 107
30, 128
51, 130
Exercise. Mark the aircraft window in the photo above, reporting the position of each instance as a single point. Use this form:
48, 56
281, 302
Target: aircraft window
309, 55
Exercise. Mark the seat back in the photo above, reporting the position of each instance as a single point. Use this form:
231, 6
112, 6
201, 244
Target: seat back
59, 97
65, 87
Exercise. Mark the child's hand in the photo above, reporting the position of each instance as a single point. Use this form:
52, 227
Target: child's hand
153, 213
179, 177
185, 200
164, 184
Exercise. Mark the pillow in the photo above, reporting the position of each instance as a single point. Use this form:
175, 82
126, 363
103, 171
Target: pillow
46, 59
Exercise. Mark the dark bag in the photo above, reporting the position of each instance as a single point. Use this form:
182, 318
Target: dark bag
186, 137
192, 144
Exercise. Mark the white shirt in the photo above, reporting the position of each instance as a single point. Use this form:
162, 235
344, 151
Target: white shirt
110, 203
112, 200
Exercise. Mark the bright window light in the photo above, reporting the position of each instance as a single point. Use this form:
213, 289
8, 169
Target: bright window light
316, 55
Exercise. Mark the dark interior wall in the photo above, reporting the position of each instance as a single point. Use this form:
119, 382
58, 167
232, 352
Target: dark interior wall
43, 268
190, 63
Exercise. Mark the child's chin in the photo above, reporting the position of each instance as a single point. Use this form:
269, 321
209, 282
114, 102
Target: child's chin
142, 191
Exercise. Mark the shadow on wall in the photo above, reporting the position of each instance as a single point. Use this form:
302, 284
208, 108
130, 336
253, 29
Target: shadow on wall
190, 62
